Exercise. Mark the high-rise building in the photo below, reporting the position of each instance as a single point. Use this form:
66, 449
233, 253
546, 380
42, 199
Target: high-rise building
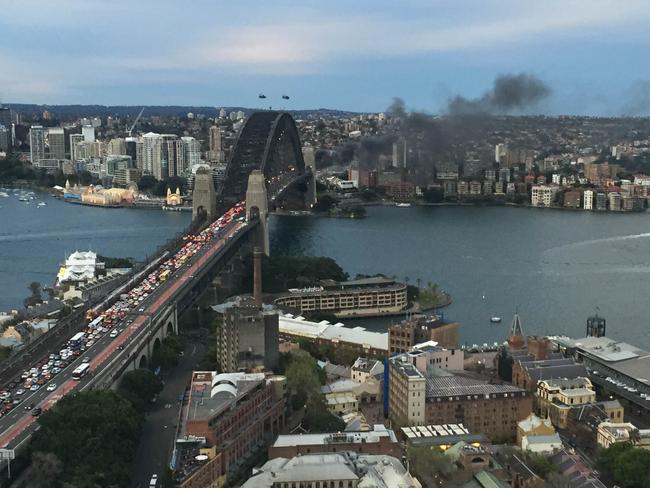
191, 153
56, 142
248, 337
74, 140
500, 151
116, 147
151, 152
222, 113
215, 138
6, 121
588, 202
88, 132
36, 143
5, 137
172, 157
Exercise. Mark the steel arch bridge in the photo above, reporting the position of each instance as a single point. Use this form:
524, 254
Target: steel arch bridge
268, 141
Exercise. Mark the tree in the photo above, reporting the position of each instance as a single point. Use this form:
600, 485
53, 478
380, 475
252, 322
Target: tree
302, 377
44, 470
433, 195
35, 288
94, 434
325, 203
146, 183
319, 419
428, 463
139, 387
627, 465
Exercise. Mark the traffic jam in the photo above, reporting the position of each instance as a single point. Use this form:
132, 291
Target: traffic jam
109, 321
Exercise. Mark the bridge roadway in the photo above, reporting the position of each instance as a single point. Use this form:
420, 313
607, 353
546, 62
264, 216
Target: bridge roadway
18, 425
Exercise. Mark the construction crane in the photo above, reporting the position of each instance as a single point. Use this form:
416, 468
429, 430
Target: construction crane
128, 133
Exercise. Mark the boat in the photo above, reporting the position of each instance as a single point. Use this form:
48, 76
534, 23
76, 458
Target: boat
403, 205
41, 204
23, 199
495, 320
4, 194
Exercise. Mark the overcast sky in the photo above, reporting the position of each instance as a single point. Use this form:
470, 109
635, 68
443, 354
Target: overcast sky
343, 54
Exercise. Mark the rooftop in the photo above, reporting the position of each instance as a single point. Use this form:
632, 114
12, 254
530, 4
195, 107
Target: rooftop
462, 384
369, 471
299, 326
379, 432
212, 393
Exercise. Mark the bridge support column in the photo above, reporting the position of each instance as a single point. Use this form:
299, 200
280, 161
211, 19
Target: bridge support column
257, 206
204, 198
310, 166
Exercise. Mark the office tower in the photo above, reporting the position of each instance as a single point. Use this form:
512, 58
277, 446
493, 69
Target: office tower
151, 148
56, 142
5, 136
215, 140
172, 157
192, 153
88, 132
500, 151
116, 147
400, 149
74, 140
36, 143
6, 120
222, 113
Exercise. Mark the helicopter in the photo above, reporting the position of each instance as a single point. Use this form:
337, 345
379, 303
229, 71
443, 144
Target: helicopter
261, 95
285, 97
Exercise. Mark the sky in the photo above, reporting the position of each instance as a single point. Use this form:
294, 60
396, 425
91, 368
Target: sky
342, 54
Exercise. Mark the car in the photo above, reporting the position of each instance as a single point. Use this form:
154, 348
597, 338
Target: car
34, 387
55, 370
141, 309
85, 360
37, 411
29, 407
154, 481
113, 334
51, 387
19, 391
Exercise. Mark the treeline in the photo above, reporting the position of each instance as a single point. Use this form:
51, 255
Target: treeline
89, 439
283, 272
14, 170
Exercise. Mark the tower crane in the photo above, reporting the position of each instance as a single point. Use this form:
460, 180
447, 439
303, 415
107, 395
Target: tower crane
128, 133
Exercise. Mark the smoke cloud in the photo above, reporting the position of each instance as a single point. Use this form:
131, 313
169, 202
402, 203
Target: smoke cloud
509, 94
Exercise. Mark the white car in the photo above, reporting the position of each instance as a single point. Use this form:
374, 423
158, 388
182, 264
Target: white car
113, 334
51, 387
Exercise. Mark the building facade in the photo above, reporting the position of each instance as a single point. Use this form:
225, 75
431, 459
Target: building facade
358, 298
36, 143
419, 329
247, 339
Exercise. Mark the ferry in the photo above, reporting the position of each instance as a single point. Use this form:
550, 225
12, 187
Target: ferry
495, 320
403, 205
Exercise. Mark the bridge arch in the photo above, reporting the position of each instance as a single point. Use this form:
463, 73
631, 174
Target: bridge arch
156, 344
142, 364
268, 141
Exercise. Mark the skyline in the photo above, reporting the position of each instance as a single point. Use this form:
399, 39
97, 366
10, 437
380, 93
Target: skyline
349, 57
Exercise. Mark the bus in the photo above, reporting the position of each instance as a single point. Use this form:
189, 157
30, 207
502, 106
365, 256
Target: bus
75, 341
81, 371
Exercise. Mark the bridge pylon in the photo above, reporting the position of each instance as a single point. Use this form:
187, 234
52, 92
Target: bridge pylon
257, 206
204, 197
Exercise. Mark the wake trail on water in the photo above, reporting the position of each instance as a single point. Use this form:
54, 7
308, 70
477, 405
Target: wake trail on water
66, 234
599, 241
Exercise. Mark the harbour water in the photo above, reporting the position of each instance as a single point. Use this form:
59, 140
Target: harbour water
555, 267
35, 239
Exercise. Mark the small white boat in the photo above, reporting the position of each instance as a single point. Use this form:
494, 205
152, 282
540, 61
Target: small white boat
403, 205
495, 320
41, 204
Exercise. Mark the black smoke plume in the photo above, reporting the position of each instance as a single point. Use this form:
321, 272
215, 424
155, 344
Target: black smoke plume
510, 94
